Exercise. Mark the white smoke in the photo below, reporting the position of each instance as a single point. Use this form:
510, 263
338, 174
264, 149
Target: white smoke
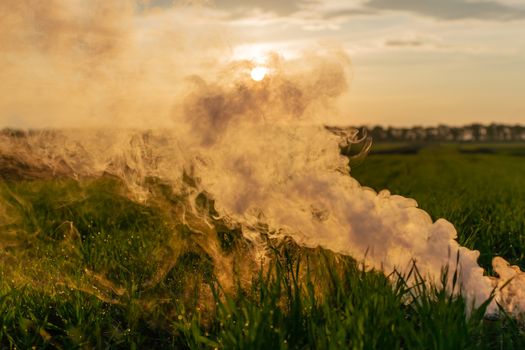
266, 163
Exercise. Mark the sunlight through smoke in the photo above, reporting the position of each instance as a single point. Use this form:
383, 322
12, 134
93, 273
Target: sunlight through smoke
258, 73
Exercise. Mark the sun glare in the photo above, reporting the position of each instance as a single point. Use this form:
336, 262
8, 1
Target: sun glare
258, 73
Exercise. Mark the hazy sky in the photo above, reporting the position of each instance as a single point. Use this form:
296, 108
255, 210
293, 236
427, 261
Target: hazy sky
425, 62
413, 61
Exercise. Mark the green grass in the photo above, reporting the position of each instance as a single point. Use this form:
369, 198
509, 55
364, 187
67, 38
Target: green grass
83, 266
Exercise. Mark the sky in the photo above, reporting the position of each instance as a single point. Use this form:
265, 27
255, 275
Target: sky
421, 62
411, 62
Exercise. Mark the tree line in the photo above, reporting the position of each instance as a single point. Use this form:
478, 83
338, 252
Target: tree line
444, 133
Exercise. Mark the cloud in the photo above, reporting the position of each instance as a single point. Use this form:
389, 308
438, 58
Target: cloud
308, 15
349, 12
490, 10
279, 7
404, 42
412, 40
453, 9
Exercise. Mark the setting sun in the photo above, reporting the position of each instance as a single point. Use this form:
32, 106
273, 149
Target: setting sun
258, 73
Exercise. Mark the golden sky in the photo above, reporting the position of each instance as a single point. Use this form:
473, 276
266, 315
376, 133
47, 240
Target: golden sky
421, 62
413, 61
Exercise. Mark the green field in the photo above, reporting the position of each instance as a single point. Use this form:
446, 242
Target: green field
83, 266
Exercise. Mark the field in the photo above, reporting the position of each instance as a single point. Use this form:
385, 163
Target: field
83, 266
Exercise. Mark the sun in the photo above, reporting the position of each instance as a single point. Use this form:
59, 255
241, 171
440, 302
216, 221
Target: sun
258, 73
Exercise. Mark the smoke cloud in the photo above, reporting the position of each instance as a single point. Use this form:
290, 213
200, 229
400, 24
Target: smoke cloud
258, 149
99, 63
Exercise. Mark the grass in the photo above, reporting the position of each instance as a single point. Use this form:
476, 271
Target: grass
83, 266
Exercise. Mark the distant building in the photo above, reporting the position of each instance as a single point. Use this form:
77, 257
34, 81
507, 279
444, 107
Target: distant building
444, 133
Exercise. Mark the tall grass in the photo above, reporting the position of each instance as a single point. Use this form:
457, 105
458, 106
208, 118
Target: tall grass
288, 306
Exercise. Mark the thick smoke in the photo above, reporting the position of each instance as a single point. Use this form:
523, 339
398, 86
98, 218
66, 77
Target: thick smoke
99, 63
265, 165
259, 149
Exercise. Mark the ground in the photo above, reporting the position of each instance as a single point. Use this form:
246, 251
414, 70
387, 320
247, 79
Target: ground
84, 266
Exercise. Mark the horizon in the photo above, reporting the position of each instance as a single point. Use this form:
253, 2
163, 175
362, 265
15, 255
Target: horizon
358, 126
